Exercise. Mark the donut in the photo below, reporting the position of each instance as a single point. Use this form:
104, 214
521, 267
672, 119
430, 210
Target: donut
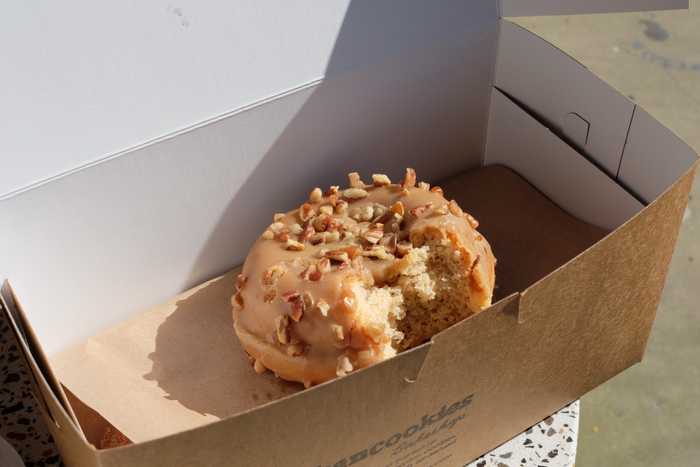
355, 275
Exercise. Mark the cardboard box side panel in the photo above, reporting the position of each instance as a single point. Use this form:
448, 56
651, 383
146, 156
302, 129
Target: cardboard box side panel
569, 99
183, 64
519, 142
34, 350
311, 427
61, 423
572, 7
615, 284
654, 157
144, 226
533, 353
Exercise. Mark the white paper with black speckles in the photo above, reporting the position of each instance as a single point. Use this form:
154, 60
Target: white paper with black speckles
550, 443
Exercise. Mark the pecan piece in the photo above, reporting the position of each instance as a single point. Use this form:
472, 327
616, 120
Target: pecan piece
344, 366
473, 222
282, 329
398, 208
316, 195
409, 180
403, 247
272, 274
259, 367
420, 210
380, 180
354, 193
306, 212
324, 265
322, 307
355, 180
293, 245
374, 233
341, 206
437, 189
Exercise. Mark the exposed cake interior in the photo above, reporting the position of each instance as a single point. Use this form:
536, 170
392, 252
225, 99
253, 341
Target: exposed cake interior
427, 291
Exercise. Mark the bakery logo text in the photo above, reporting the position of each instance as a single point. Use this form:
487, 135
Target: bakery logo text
449, 415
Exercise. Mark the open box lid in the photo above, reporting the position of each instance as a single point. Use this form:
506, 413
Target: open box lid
233, 53
573, 7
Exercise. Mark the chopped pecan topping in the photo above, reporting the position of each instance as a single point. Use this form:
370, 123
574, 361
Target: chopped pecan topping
308, 300
241, 281
344, 366
341, 206
377, 251
403, 247
424, 186
354, 193
316, 195
441, 210
316, 238
268, 235
259, 367
374, 233
308, 271
332, 190
398, 208
420, 210
294, 350
437, 189
333, 200
389, 242
238, 299
362, 213
306, 212
277, 227
338, 333
337, 255
272, 274
380, 180
324, 265
473, 222
270, 295
454, 208
409, 180
290, 296
332, 237
307, 232
296, 229
379, 212
278, 217
355, 180
293, 245
326, 209
322, 307
282, 329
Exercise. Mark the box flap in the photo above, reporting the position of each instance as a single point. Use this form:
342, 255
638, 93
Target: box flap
570, 100
573, 7
654, 157
520, 142
182, 63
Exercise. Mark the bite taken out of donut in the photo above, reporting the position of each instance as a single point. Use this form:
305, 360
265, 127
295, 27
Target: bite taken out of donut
355, 275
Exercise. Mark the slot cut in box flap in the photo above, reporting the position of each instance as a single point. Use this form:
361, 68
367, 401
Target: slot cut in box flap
520, 142
554, 87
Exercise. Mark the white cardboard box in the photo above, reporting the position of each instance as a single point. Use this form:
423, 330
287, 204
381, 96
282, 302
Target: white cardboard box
244, 92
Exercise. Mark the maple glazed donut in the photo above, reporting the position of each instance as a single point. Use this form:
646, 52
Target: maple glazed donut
355, 275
